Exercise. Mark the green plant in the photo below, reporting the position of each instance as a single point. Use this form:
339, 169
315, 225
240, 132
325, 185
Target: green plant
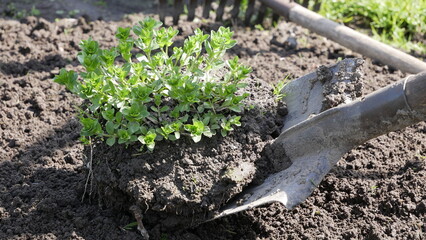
393, 22
373, 190
259, 27
164, 236
34, 11
12, 11
278, 88
101, 3
73, 13
130, 226
161, 92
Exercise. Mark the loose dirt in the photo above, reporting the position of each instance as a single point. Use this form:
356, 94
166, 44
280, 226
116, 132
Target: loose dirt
375, 192
182, 181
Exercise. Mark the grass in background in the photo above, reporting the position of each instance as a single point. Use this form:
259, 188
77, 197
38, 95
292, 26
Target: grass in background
401, 23
12, 11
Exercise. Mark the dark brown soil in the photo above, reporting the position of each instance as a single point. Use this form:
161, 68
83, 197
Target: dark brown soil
375, 192
191, 179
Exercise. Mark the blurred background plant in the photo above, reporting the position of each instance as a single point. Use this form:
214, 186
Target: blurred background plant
400, 23
12, 11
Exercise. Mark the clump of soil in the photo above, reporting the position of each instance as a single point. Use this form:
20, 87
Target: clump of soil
375, 192
345, 87
191, 179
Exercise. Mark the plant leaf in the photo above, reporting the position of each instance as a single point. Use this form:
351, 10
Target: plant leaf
110, 141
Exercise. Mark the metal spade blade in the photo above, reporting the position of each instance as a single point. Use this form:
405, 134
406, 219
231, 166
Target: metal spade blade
315, 143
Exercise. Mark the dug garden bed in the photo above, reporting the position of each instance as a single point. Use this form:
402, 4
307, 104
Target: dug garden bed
376, 191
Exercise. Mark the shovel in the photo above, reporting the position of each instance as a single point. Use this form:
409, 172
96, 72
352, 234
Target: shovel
312, 141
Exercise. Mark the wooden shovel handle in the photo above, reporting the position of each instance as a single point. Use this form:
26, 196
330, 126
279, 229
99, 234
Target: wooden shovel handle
346, 36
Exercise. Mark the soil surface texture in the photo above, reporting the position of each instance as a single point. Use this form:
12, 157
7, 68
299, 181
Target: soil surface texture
376, 191
181, 182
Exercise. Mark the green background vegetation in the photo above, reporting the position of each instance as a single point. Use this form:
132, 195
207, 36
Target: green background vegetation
400, 23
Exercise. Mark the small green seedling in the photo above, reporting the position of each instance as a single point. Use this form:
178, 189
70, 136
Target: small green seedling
101, 3
259, 27
73, 13
12, 11
373, 190
162, 92
278, 88
130, 226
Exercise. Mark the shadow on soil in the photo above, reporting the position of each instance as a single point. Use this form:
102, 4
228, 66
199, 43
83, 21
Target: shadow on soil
42, 186
49, 63
41, 190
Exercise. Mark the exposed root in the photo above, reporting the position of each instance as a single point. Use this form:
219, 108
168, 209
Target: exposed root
89, 175
138, 216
